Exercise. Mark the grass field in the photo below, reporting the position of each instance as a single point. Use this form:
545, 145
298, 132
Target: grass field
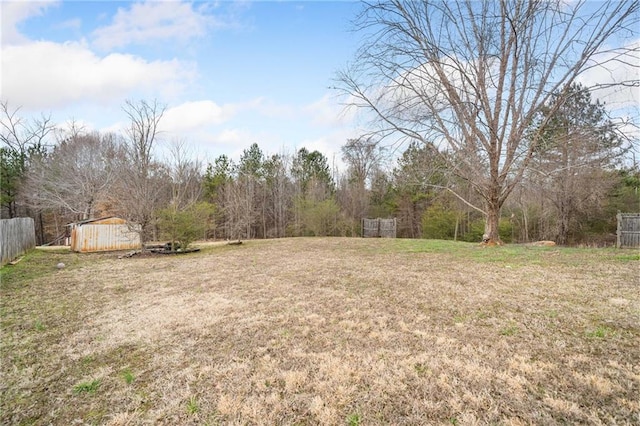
323, 331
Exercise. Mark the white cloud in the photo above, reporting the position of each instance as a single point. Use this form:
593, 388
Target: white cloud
14, 12
199, 116
325, 144
46, 74
330, 144
117, 127
147, 22
615, 69
193, 115
327, 111
233, 141
234, 137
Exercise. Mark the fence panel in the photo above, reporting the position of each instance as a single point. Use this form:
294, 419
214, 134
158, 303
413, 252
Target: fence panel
376, 228
17, 235
370, 228
388, 228
628, 230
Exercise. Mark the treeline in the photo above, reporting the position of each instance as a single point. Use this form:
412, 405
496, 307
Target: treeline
275, 196
580, 177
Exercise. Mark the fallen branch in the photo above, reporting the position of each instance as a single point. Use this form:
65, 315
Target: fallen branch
15, 261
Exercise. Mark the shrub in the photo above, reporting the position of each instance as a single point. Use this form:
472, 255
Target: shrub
438, 223
185, 225
320, 218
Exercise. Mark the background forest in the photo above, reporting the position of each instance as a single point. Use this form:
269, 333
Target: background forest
582, 173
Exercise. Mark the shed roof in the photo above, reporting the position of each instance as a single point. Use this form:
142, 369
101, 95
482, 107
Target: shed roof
108, 220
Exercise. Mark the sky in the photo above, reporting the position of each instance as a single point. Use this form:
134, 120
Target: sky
230, 73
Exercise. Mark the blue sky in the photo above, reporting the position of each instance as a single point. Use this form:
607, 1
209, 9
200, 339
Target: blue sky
230, 73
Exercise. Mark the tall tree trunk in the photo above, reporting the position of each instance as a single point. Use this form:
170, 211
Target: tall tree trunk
455, 232
563, 223
491, 228
41, 240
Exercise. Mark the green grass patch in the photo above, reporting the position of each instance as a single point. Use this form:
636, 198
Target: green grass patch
128, 376
36, 264
422, 369
86, 387
39, 326
458, 319
192, 405
429, 246
354, 419
510, 330
601, 332
629, 257
508, 255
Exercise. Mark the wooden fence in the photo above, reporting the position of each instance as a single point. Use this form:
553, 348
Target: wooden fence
17, 235
628, 230
376, 228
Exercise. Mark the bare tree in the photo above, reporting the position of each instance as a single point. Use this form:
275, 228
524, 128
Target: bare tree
249, 180
142, 185
238, 207
278, 193
20, 140
576, 154
186, 176
470, 76
77, 175
185, 218
362, 156
20, 135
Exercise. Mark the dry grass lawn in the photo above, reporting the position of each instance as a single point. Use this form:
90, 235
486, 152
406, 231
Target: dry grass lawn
323, 332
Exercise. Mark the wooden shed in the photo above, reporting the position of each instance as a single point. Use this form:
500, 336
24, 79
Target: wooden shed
104, 234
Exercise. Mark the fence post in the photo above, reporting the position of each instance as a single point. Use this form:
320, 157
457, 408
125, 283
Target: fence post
619, 230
